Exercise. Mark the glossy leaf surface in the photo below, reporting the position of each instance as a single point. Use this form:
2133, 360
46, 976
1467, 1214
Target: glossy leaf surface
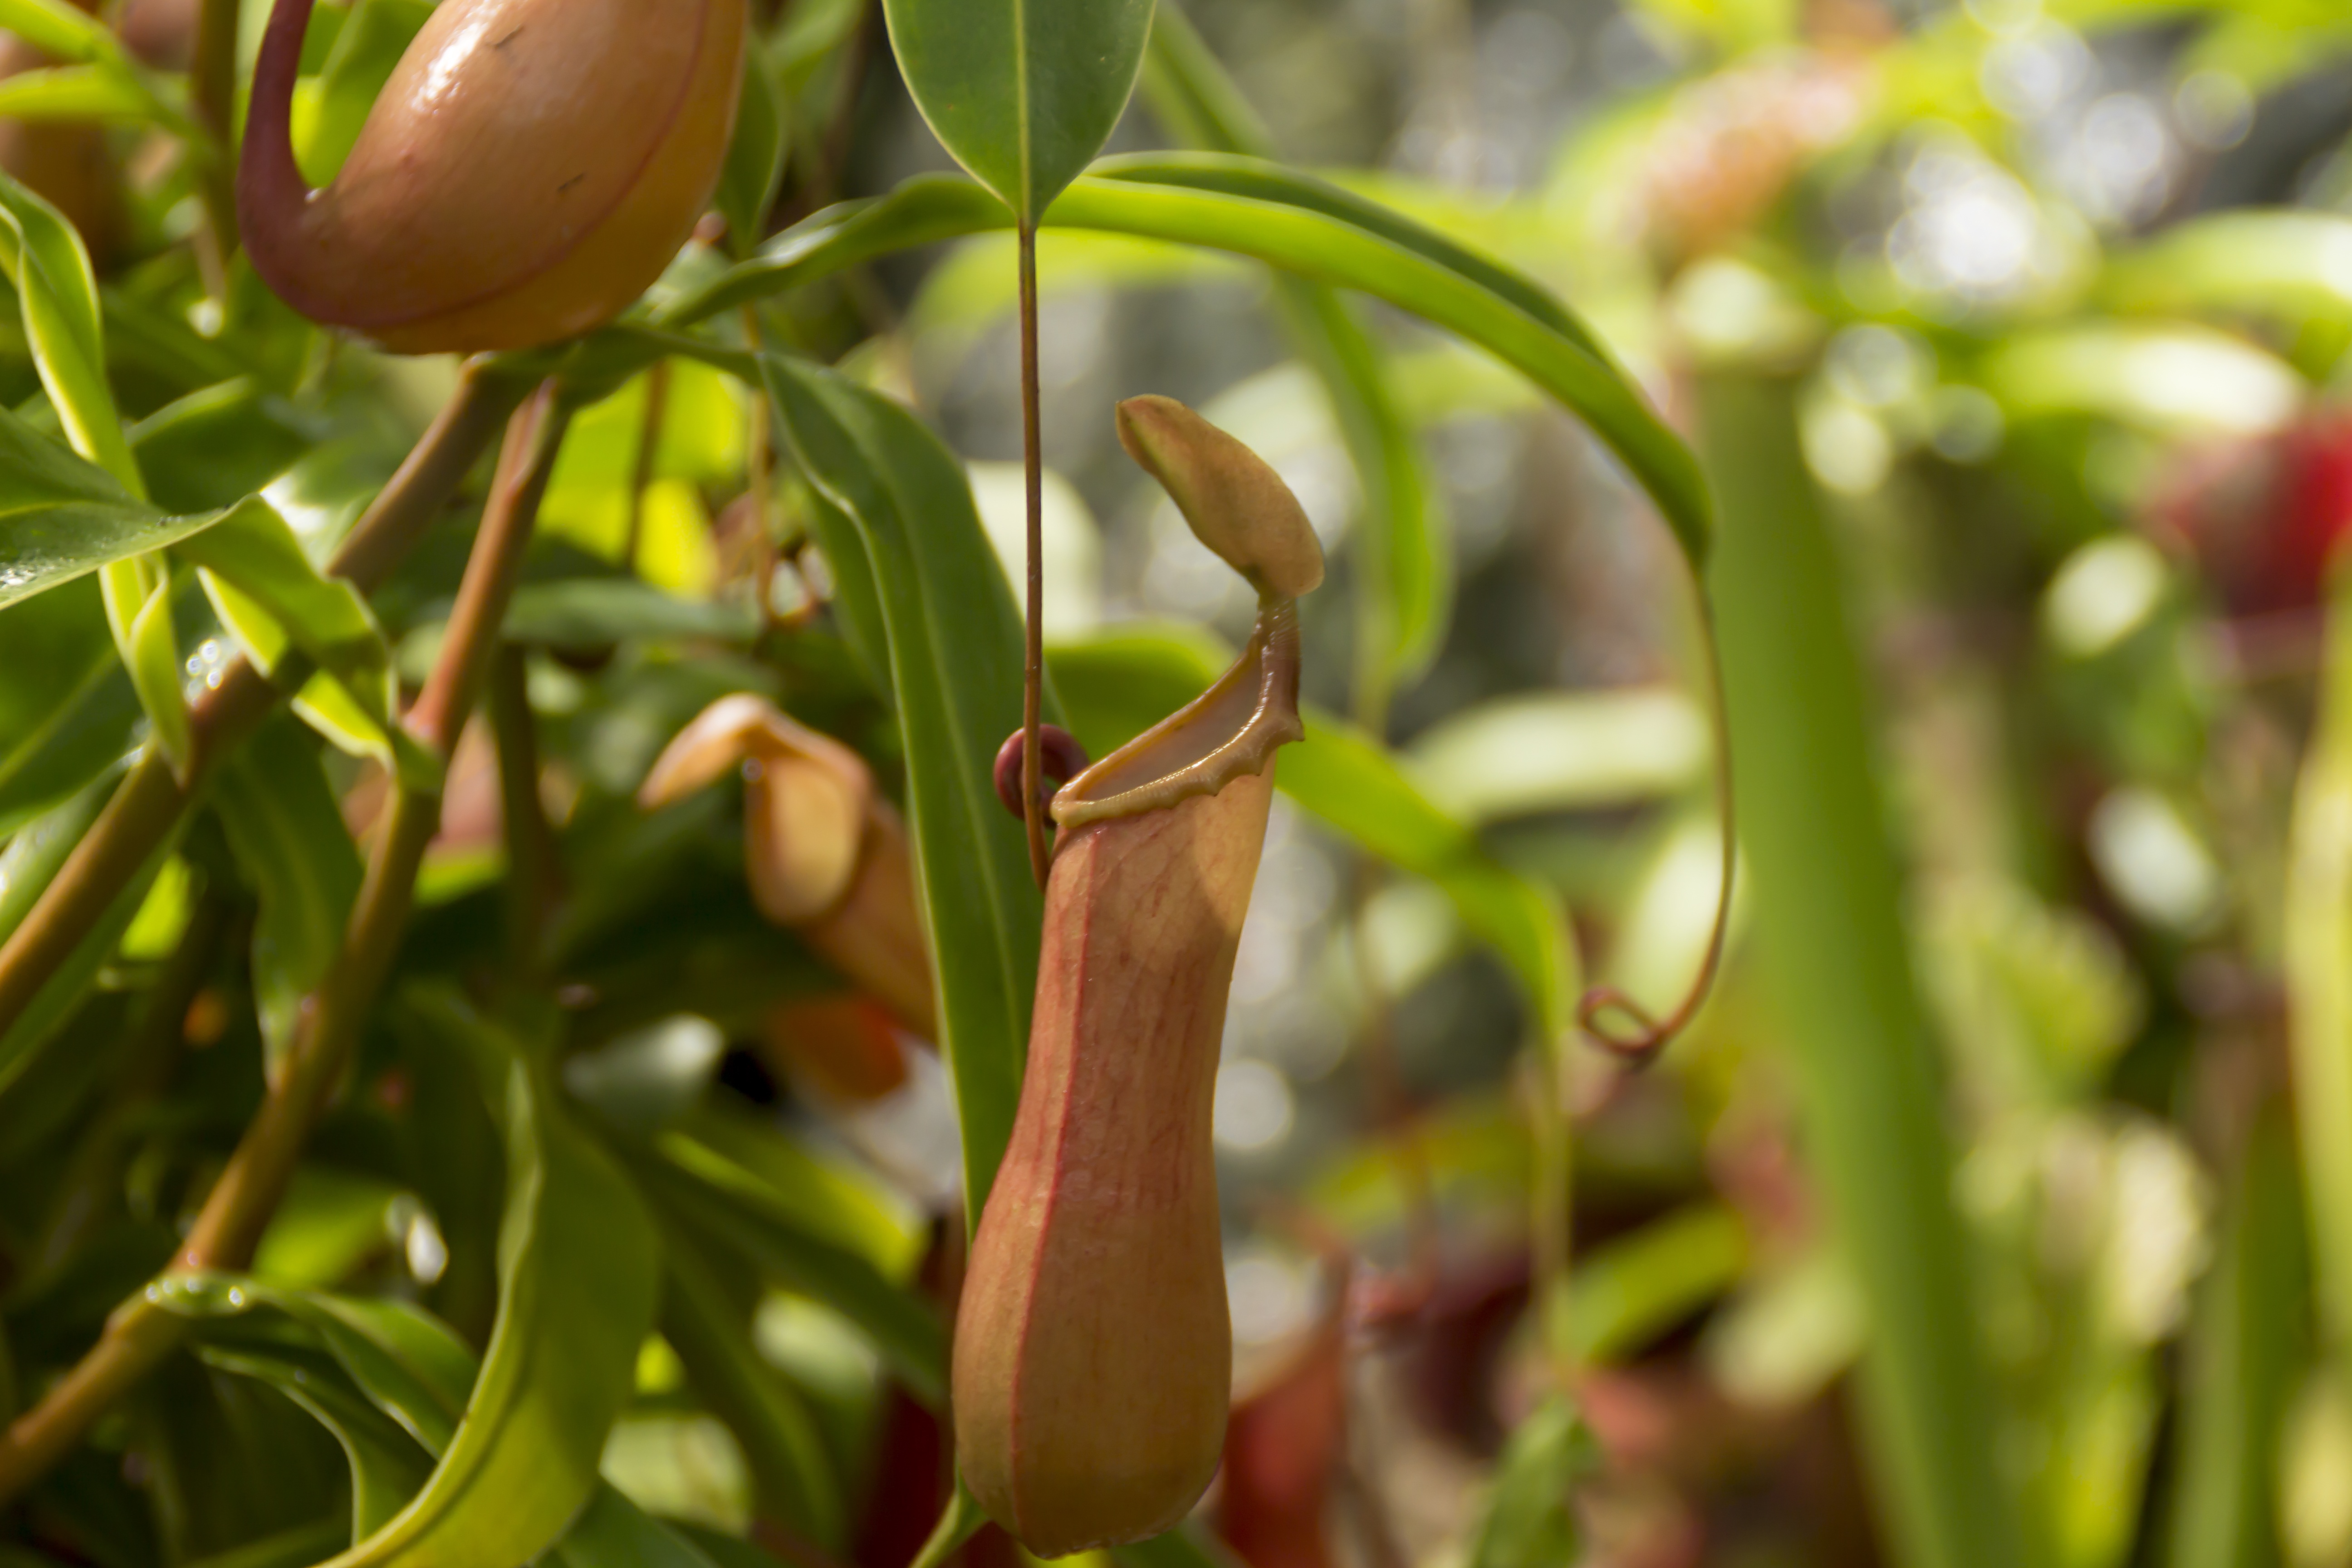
1023, 94
925, 596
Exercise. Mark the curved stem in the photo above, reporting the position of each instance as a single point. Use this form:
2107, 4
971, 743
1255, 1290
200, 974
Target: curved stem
1032, 464
270, 191
240, 1204
1650, 1034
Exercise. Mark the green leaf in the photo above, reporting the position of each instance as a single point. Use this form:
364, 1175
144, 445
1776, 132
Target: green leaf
915, 569
215, 446
614, 1532
288, 834
269, 592
75, 93
61, 517
412, 1368
1833, 949
58, 28
794, 1480
59, 733
2318, 971
586, 613
2170, 379
1561, 751
2240, 1365
1116, 684
386, 1465
1300, 226
140, 593
754, 169
1631, 1290
577, 1269
1531, 1519
57, 293
2290, 265
1023, 93
736, 1207
38, 850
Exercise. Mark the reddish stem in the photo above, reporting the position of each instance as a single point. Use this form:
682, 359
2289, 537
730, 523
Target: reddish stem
270, 191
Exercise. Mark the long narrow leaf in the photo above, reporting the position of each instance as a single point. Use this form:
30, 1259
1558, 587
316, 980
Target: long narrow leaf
1313, 232
907, 550
1829, 919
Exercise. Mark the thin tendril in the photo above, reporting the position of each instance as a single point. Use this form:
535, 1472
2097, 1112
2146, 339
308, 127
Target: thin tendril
1651, 1034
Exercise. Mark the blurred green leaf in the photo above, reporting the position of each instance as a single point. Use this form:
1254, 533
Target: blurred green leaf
916, 568
74, 92
1404, 589
738, 1208
2318, 973
1630, 1290
1560, 751
46, 843
2241, 1363
755, 159
60, 732
287, 831
2286, 264
58, 28
1023, 93
2170, 379
1829, 918
585, 614
1189, 1546
794, 1480
1119, 683
1530, 1519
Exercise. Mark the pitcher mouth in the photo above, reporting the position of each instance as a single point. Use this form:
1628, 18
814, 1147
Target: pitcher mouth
1231, 729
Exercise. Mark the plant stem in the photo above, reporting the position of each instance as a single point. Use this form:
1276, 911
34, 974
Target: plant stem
648, 448
1032, 466
530, 842
239, 1208
150, 801
213, 77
